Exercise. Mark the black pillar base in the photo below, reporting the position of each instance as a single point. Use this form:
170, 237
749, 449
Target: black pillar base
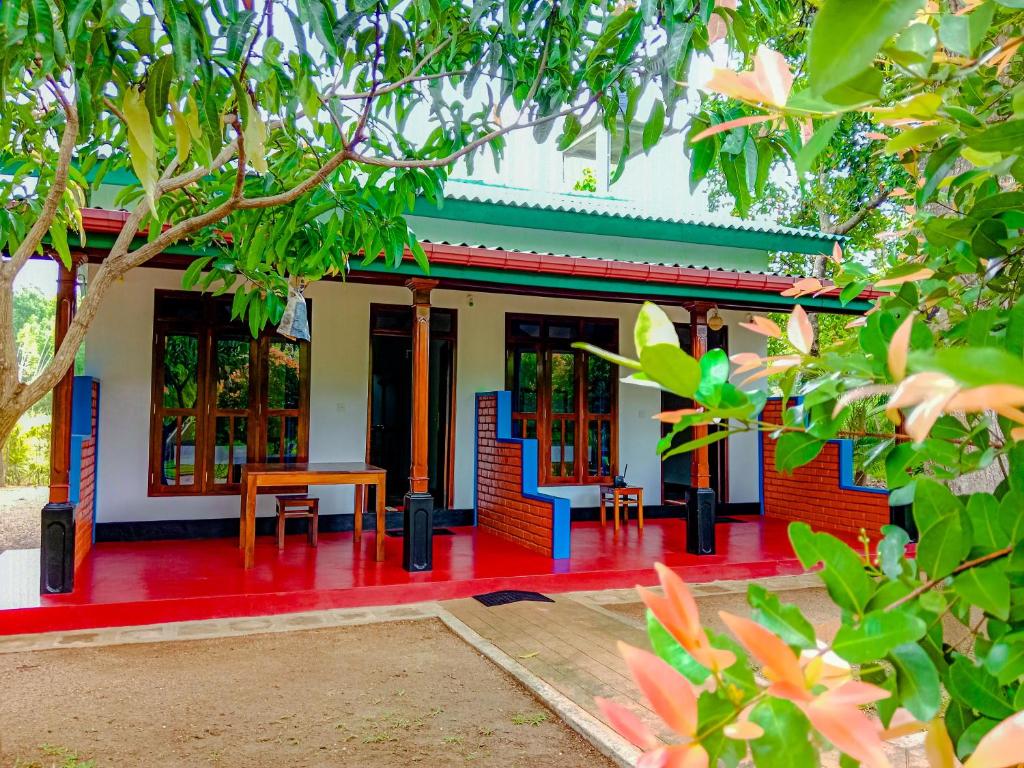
57, 549
418, 532
700, 521
902, 516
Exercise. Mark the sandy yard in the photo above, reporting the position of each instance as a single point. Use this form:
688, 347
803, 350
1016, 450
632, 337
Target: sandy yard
408, 693
19, 516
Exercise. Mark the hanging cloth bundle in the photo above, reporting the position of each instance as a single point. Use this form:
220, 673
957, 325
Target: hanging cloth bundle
295, 322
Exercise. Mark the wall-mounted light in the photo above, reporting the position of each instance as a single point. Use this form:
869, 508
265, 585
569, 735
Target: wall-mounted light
469, 299
715, 320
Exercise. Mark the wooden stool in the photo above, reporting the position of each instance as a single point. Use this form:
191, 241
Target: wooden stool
624, 497
297, 505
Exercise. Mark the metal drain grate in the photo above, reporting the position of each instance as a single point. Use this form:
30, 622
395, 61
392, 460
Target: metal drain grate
506, 596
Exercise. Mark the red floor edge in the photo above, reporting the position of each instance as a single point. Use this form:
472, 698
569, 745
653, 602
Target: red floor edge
138, 583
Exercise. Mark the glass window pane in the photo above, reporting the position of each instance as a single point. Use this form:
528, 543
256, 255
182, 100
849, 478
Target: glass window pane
291, 438
229, 452
528, 328
283, 375
525, 381
178, 450
601, 334
562, 331
274, 438
556, 448
442, 321
563, 382
599, 448
599, 384
181, 371
232, 370
178, 307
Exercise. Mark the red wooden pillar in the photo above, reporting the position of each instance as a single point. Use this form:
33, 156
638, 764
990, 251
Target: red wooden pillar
418, 526
60, 424
57, 540
700, 513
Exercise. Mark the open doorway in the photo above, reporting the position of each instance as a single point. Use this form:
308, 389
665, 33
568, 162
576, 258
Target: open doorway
390, 399
675, 470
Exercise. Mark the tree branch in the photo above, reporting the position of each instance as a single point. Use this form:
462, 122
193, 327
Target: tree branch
959, 569
859, 216
35, 235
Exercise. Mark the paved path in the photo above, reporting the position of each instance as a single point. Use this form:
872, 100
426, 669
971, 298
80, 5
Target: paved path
570, 644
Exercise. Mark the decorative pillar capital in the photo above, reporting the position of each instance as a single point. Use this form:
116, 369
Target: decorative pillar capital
421, 288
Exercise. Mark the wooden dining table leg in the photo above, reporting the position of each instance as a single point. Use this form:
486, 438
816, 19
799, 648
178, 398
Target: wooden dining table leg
241, 512
359, 509
381, 522
249, 515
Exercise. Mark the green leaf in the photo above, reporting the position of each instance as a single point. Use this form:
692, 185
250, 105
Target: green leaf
943, 542
141, 146
714, 373
654, 126
977, 689
653, 327
699, 442
786, 621
672, 368
254, 133
964, 33
59, 239
1005, 661
891, 550
795, 449
816, 145
987, 532
877, 634
924, 134
848, 33
570, 130
611, 357
667, 648
786, 736
917, 680
843, 573
1006, 137
191, 276
158, 87
986, 587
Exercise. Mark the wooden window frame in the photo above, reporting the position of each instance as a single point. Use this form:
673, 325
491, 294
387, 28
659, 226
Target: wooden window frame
206, 327
544, 347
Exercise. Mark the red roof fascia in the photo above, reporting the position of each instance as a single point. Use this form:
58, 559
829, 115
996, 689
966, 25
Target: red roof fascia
100, 220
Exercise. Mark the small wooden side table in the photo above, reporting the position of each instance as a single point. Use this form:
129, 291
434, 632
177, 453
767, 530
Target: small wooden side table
624, 497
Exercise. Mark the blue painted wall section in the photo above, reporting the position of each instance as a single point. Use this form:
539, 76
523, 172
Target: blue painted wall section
81, 430
560, 515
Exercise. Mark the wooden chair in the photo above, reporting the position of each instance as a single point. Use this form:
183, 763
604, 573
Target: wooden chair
297, 505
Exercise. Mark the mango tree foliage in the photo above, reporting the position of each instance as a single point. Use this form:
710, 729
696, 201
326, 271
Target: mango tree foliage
290, 136
931, 638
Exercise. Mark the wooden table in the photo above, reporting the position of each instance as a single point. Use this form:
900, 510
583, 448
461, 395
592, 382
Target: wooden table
256, 476
624, 496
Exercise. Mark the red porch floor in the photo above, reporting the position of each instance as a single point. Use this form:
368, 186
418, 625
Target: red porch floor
123, 584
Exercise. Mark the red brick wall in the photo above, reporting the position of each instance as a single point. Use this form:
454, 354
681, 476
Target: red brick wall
87, 486
502, 509
812, 493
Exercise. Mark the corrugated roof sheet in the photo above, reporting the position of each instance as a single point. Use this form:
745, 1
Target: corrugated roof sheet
583, 202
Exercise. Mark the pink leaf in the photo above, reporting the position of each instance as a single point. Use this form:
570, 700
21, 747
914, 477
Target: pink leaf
627, 724
899, 346
921, 274
799, 330
763, 326
728, 125
779, 662
668, 692
1001, 747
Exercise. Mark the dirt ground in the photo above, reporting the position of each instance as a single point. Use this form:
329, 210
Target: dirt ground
408, 693
814, 603
19, 516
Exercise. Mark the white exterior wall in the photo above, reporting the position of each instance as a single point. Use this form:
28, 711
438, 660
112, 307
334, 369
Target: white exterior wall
119, 354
